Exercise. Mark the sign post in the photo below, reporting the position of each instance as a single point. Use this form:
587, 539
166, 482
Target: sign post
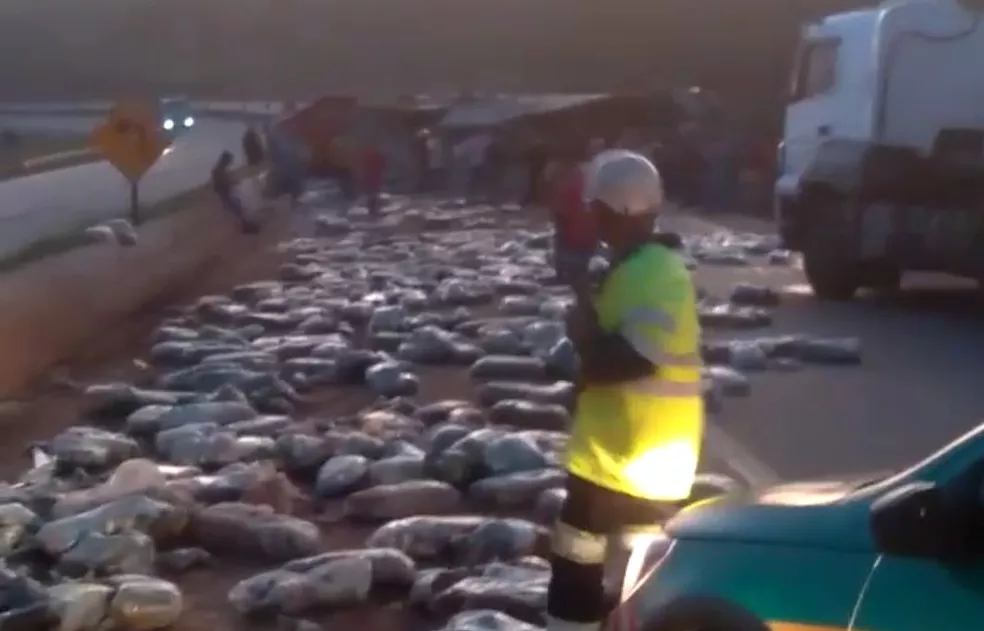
135, 202
131, 140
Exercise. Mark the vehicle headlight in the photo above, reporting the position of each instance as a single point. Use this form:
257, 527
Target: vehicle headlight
169, 124
189, 121
645, 554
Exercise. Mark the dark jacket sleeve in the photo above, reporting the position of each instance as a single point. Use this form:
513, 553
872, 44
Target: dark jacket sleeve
607, 358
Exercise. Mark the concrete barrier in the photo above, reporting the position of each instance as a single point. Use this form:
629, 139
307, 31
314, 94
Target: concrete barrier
55, 158
57, 304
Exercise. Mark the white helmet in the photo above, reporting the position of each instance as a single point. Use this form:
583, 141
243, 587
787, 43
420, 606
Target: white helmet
625, 181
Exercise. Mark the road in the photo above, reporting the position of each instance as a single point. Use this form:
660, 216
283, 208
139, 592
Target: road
918, 388
39, 206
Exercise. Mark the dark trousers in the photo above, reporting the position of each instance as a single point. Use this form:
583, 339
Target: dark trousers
577, 592
424, 178
232, 203
346, 183
534, 184
372, 200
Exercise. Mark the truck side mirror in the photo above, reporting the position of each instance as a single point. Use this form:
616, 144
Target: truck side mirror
916, 521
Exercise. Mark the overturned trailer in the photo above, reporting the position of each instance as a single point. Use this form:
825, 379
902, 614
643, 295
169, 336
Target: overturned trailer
567, 120
314, 130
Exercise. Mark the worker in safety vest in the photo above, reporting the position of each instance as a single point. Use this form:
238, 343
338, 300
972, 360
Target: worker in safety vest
638, 422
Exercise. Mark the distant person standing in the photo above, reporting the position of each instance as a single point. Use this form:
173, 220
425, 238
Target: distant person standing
420, 151
224, 188
458, 168
438, 162
575, 234
344, 164
720, 182
373, 173
690, 164
288, 167
494, 167
252, 147
471, 157
537, 158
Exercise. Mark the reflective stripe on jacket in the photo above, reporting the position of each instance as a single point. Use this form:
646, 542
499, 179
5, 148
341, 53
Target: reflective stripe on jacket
643, 438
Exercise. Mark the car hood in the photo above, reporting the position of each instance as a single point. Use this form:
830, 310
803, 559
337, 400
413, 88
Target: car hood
828, 513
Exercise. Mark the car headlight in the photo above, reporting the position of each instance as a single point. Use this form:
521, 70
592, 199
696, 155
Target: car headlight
169, 124
189, 121
646, 553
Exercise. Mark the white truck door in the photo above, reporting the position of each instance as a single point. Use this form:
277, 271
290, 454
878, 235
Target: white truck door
813, 111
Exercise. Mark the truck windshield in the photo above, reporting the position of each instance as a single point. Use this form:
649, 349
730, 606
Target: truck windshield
815, 71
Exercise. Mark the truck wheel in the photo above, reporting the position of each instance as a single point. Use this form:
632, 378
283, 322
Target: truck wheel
831, 266
882, 278
832, 275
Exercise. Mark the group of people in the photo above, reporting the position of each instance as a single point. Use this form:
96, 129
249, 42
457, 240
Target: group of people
704, 165
478, 165
288, 168
225, 183
359, 172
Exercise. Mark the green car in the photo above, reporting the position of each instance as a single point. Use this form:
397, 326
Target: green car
897, 553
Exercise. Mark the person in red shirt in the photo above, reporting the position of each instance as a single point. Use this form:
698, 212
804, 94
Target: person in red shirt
373, 171
575, 235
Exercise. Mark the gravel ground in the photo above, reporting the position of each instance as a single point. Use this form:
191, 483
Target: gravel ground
911, 392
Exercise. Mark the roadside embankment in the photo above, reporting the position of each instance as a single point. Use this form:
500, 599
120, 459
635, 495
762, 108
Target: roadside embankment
59, 299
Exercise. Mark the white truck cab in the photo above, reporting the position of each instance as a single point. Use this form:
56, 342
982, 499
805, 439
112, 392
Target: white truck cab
879, 100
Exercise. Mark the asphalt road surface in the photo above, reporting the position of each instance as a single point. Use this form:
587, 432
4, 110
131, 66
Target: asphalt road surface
39, 206
919, 386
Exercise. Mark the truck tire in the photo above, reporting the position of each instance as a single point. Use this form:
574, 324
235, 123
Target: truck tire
883, 279
829, 262
831, 280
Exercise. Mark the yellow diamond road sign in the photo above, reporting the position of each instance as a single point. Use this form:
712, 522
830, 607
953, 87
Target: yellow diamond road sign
130, 138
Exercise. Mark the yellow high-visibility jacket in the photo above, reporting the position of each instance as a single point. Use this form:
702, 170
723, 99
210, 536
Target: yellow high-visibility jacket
643, 438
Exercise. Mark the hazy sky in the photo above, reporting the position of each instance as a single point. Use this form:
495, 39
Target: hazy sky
275, 47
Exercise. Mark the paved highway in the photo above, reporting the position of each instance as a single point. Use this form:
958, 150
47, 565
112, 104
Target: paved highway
39, 206
919, 385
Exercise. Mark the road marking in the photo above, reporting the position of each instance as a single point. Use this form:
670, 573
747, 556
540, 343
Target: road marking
756, 473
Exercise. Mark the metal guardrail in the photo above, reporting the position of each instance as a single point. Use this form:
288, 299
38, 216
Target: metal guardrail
231, 108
